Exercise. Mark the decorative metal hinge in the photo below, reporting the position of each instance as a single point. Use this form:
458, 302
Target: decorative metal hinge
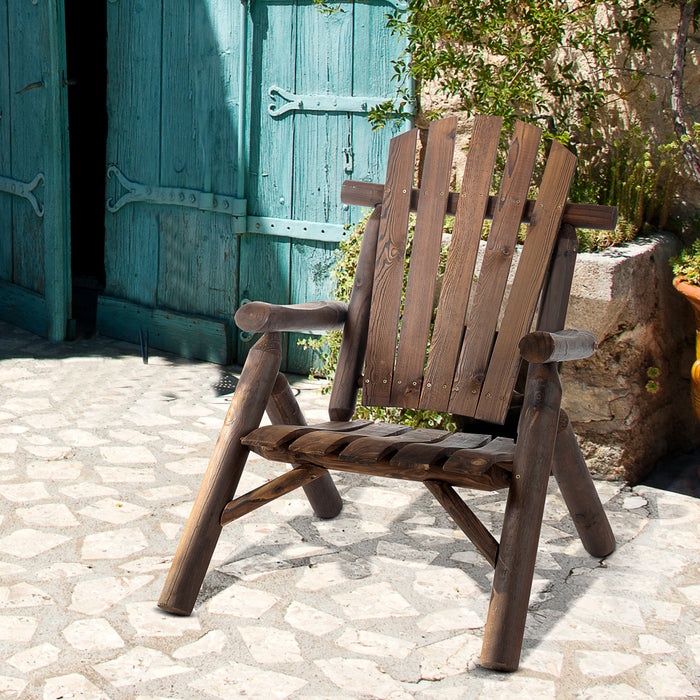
177, 196
319, 103
25, 190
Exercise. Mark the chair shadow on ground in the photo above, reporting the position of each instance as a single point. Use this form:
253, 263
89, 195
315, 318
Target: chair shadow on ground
420, 527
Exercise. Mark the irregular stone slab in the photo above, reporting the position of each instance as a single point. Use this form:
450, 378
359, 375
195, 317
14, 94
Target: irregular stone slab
238, 680
139, 665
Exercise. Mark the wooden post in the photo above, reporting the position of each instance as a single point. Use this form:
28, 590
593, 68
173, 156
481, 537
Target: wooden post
221, 478
515, 565
576, 486
352, 349
283, 408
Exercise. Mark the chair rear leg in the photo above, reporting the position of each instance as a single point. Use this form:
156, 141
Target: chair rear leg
221, 478
283, 408
581, 498
515, 565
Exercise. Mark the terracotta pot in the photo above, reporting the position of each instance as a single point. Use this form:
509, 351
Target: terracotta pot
692, 293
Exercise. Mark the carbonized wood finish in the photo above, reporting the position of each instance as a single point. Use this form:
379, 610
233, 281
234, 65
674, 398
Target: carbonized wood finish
389, 271
470, 525
351, 356
260, 317
579, 493
420, 286
525, 292
391, 450
541, 346
597, 216
461, 260
292, 480
481, 325
282, 407
522, 521
221, 478
557, 287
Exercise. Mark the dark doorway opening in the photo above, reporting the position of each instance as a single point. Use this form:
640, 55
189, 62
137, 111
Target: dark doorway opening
86, 54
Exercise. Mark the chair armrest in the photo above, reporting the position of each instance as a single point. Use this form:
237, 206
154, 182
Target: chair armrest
260, 317
541, 346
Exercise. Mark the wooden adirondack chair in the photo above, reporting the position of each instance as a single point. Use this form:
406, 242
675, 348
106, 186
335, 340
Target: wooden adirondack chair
465, 360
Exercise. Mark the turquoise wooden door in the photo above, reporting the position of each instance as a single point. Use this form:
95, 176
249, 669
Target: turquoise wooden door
223, 177
171, 245
313, 77
34, 221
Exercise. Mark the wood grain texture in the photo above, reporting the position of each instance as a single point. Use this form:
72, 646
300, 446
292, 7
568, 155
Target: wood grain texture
571, 344
283, 407
134, 58
221, 478
259, 317
520, 534
557, 286
457, 281
282, 485
527, 285
580, 495
493, 275
186, 335
389, 271
6, 233
407, 379
351, 356
470, 525
596, 216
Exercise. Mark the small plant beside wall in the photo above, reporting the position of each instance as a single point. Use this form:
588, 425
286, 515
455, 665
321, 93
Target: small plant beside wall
686, 273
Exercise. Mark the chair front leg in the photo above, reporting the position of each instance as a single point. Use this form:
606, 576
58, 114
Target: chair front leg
222, 476
517, 551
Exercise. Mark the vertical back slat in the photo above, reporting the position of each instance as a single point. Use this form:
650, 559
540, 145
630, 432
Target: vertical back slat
389, 271
527, 284
461, 259
481, 326
425, 257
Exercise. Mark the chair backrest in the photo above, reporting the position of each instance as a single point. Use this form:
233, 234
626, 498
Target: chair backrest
464, 358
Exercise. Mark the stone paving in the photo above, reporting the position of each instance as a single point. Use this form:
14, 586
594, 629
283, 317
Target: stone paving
100, 458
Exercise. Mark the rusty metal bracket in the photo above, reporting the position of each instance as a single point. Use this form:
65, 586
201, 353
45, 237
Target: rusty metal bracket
25, 190
176, 196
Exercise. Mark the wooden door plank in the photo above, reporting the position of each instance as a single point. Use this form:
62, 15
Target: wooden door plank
323, 57
374, 48
425, 256
133, 143
529, 277
461, 260
198, 251
29, 62
493, 275
5, 152
389, 270
265, 260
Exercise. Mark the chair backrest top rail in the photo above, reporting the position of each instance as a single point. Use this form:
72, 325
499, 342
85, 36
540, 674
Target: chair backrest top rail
593, 216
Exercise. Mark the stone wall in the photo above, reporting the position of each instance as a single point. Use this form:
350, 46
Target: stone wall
625, 296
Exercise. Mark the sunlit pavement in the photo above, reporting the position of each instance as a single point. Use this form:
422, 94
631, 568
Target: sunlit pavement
101, 456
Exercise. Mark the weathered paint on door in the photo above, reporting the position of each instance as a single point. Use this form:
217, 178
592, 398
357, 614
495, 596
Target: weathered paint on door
223, 188
171, 261
34, 221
